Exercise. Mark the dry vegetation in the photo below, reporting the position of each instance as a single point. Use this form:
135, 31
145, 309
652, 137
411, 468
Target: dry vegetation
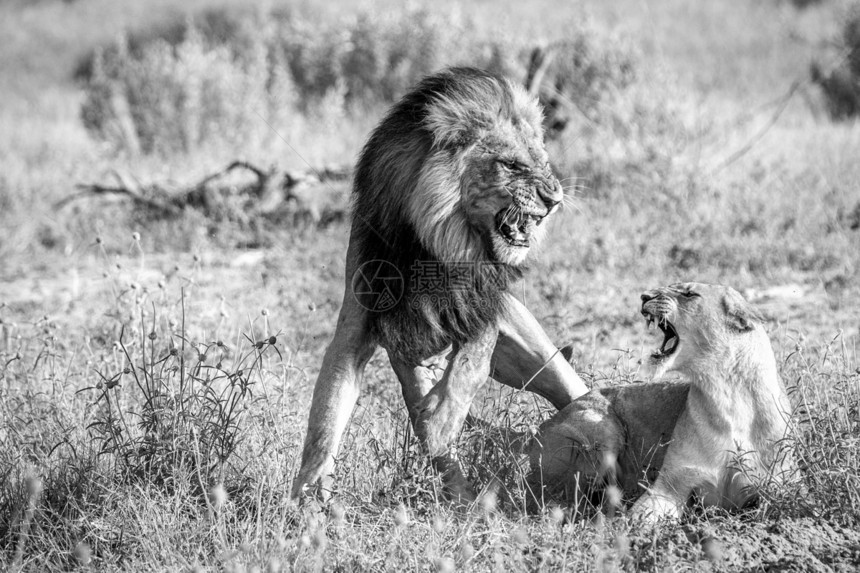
156, 371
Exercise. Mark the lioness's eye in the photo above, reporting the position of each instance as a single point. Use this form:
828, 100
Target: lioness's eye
509, 164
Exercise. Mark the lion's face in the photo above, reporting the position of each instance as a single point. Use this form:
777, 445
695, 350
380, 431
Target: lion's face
695, 319
486, 189
508, 191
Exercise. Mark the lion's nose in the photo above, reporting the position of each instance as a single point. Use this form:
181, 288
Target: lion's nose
551, 194
551, 203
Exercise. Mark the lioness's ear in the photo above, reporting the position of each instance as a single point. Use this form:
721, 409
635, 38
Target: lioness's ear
740, 315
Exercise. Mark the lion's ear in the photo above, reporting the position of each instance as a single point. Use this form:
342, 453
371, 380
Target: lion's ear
740, 315
455, 124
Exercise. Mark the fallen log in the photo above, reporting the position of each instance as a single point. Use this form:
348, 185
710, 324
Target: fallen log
269, 192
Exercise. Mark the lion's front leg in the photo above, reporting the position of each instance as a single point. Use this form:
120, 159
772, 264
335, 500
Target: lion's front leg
525, 358
665, 499
653, 508
335, 394
684, 468
442, 412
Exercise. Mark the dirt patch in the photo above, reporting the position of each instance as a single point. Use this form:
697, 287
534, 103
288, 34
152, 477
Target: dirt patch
784, 545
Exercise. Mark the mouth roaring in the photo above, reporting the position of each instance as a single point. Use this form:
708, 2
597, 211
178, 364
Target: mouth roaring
670, 336
516, 226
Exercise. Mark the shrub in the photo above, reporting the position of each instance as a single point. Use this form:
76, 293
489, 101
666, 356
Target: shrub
375, 56
195, 84
841, 85
619, 123
577, 75
224, 26
801, 4
171, 90
175, 408
167, 417
851, 39
167, 98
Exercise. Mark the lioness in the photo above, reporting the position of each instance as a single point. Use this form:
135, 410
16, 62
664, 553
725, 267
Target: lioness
451, 195
716, 435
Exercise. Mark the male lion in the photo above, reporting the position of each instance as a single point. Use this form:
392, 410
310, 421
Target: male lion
451, 194
717, 435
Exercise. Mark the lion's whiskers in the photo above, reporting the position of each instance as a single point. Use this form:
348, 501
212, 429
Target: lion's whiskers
571, 192
571, 178
568, 201
574, 188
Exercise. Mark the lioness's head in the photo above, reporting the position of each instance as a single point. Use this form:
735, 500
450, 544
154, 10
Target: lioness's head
486, 187
696, 320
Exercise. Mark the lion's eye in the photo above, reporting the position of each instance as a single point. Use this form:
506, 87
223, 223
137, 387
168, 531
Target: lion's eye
510, 164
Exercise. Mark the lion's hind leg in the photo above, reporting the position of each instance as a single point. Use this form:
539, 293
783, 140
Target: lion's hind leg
439, 415
417, 380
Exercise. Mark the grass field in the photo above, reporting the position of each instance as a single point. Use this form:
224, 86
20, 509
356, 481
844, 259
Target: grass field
156, 374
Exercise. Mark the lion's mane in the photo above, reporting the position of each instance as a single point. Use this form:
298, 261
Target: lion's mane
406, 205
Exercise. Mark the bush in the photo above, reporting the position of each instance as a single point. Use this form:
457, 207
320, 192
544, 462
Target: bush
374, 58
172, 98
172, 89
619, 123
216, 27
174, 407
851, 39
841, 85
577, 75
801, 4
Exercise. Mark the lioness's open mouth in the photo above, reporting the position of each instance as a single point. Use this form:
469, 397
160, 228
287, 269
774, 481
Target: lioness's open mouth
516, 226
670, 336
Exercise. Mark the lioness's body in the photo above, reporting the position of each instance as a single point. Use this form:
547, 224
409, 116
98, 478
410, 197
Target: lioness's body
725, 436
454, 182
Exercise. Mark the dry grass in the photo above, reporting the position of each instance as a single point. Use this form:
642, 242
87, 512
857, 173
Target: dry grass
159, 473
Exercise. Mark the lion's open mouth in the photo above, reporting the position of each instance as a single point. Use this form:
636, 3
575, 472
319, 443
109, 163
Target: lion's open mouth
670, 336
516, 226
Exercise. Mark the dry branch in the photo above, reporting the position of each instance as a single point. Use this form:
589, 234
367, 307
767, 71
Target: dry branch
269, 191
